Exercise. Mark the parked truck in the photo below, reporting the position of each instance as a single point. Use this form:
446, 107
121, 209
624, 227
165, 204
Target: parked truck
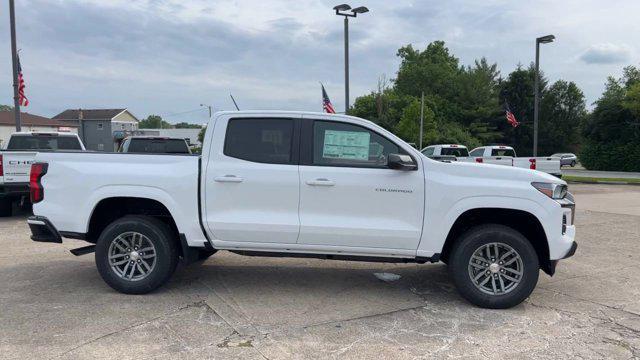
506, 155
16, 160
446, 152
301, 184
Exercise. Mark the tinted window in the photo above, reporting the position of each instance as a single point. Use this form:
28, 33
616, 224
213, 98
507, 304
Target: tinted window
260, 140
457, 152
341, 144
44, 142
477, 152
158, 146
428, 151
503, 152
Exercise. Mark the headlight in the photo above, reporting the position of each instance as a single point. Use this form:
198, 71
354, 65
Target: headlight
554, 191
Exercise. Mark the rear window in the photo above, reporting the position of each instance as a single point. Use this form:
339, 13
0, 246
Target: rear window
44, 142
158, 146
503, 152
457, 152
260, 140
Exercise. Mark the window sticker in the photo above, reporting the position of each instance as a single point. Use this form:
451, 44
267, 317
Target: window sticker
352, 145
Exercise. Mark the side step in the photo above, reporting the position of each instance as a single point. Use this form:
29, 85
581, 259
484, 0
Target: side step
419, 260
83, 250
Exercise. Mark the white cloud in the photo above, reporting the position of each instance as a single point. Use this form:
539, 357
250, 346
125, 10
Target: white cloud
606, 54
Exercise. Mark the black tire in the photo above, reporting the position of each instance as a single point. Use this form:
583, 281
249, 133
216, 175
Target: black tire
573, 163
162, 238
475, 238
6, 207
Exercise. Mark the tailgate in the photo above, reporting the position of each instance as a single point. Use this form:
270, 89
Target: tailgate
549, 165
17, 166
499, 160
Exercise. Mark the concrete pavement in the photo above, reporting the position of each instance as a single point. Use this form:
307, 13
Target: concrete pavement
55, 305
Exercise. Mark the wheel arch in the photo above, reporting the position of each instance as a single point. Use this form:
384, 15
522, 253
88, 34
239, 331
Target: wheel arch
520, 220
112, 208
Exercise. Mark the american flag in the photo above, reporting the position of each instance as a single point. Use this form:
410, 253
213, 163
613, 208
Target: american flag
326, 103
22, 99
510, 117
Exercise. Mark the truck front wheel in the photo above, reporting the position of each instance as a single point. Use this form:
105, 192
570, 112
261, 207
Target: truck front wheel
494, 266
136, 254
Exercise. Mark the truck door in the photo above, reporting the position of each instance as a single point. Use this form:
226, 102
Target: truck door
348, 194
252, 184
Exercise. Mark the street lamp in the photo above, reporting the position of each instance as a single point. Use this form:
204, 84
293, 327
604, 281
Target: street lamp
209, 107
343, 10
536, 103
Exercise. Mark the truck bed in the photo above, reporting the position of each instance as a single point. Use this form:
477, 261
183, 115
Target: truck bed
75, 181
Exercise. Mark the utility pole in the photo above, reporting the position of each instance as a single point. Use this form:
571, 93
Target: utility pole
536, 102
421, 120
346, 64
14, 61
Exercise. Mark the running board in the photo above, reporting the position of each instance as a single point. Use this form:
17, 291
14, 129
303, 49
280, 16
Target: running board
83, 250
419, 260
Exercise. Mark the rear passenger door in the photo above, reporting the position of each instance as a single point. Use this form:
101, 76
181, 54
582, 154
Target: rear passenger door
252, 183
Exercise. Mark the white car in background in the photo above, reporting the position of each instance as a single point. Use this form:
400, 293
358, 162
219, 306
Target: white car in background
506, 155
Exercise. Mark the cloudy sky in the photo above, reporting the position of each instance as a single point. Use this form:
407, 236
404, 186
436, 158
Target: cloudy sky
169, 56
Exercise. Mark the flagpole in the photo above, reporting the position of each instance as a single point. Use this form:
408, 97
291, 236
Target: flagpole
14, 58
421, 119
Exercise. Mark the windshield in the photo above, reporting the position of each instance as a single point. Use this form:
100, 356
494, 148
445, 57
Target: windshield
43, 142
158, 146
457, 152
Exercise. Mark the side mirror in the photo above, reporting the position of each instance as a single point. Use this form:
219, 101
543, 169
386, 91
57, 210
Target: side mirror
401, 162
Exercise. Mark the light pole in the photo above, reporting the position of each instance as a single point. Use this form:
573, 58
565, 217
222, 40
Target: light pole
209, 107
536, 102
342, 10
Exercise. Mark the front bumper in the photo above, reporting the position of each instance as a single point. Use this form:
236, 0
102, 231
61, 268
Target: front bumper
42, 230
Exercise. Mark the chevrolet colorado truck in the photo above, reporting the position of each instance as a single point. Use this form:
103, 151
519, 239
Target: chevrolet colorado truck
16, 159
302, 184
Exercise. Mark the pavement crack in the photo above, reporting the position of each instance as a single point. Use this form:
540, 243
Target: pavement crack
362, 317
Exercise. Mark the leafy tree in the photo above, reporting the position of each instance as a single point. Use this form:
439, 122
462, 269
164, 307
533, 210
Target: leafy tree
201, 135
409, 126
612, 131
6, 108
186, 125
154, 122
562, 113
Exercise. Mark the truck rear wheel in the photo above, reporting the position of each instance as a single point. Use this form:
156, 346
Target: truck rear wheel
494, 266
5, 207
136, 254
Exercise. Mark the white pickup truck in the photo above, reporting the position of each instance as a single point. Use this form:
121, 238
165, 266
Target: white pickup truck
446, 152
301, 184
506, 155
16, 160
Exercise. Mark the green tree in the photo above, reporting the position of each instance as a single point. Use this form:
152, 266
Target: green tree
562, 114
612, 131
154, 122
186, 125
201, 135
409, 126
6, 108
517, 91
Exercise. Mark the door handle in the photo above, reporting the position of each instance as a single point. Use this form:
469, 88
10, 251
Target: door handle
320, 182
228, 179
